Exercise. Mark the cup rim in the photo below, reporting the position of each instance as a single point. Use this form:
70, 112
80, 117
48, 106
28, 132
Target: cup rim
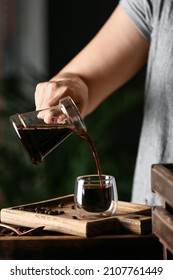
95, 177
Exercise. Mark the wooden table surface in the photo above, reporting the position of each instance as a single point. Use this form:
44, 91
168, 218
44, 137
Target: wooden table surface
68, 247
131, 240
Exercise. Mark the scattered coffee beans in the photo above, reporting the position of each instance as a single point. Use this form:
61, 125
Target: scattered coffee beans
43, 210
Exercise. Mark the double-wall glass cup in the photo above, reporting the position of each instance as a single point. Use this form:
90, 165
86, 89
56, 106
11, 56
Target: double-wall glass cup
42, 131
95, 197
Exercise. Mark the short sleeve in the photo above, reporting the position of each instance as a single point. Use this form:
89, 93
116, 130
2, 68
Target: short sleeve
140, 12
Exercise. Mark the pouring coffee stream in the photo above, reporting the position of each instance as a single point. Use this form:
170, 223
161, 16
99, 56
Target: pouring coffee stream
40, 138
84, 134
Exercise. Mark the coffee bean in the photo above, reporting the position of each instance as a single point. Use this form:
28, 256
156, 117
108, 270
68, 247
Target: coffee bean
55, 212
5, 230
74, 217
60, 205
50, 212
12, 233
41, 211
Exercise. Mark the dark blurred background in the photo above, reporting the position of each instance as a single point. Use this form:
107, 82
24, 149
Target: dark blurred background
37, 38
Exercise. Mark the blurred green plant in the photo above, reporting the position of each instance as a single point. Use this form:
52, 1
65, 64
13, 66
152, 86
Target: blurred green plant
114, 128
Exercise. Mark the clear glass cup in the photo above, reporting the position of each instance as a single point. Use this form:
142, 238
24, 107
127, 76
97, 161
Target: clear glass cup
95, 197
42, 131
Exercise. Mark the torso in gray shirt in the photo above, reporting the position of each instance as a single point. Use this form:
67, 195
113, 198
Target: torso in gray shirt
154, 19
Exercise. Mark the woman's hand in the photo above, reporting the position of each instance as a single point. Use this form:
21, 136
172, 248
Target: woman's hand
49, 93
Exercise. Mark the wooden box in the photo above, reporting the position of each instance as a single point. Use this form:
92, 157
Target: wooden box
162, 182
162, 216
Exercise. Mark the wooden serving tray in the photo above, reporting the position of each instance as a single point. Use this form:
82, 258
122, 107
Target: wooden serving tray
133, 218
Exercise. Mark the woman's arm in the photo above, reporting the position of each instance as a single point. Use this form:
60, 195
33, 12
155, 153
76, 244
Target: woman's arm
112, 57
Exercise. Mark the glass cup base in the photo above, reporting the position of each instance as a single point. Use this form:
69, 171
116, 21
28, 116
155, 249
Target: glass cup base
89, 215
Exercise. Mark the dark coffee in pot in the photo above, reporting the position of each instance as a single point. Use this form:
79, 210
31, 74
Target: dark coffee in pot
40, 140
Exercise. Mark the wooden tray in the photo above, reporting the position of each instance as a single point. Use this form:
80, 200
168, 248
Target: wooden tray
162, 225
133, 218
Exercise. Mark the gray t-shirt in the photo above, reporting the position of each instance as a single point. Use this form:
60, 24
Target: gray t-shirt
154, 20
